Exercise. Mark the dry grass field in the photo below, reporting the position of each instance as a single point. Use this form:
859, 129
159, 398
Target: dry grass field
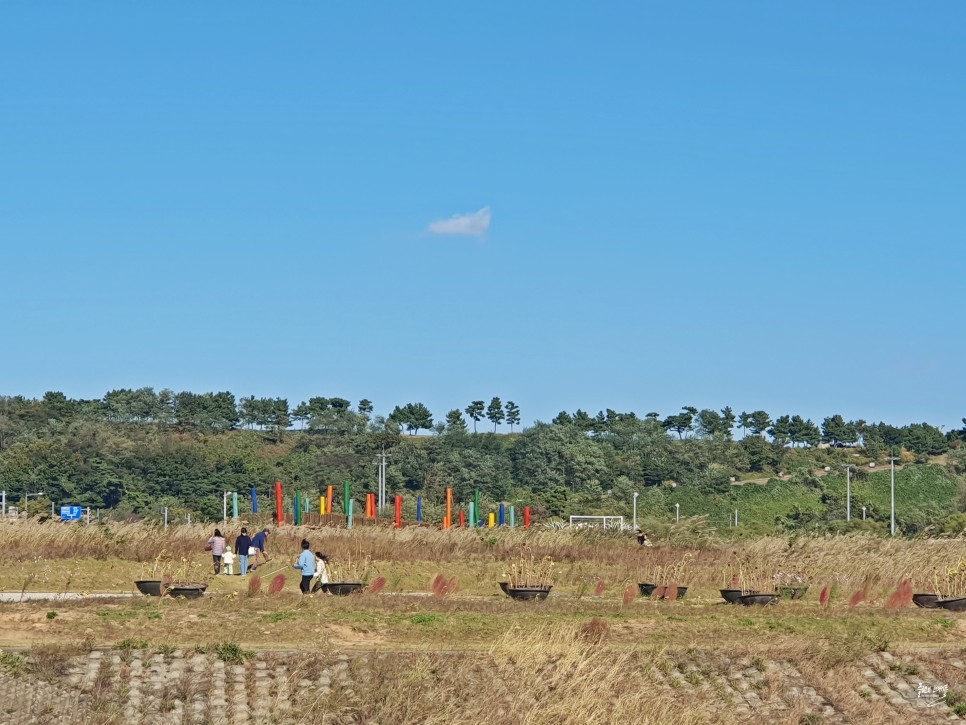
593, 652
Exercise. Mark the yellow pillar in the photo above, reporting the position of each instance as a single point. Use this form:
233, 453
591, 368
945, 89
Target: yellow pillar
492, 519
322, 505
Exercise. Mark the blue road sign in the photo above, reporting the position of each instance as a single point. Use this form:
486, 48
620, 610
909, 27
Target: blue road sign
71, 513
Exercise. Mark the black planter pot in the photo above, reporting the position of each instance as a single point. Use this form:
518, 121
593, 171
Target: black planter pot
151, 587
528, 594
925, 601
751, 600
953, 605
731, 595
680, 595
188, 591
646, 589
792, 592
342, 589
505, 586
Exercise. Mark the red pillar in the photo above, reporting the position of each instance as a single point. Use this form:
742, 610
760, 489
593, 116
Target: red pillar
398, 511
279, 516
526, 517
462, 518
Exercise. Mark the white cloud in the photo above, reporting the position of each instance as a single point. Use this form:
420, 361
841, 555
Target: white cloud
474, 224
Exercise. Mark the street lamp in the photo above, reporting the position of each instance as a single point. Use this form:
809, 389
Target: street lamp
848, 492
27, 496
636, 494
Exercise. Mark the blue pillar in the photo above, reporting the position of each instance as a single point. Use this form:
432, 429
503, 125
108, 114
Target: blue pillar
254, 501
502, 514
419, 509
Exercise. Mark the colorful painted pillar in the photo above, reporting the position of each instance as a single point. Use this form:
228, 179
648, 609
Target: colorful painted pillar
492, 519
346, 498
462, 518
254, 501
348, 515
513, 521
398, 511
279, 514
526, 517
234, 505
321, 505
419, 509
297, 509
472, 515
502, 514
328, 499
449, 509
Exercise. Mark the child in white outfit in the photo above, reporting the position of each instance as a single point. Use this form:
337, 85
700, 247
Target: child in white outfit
228, 558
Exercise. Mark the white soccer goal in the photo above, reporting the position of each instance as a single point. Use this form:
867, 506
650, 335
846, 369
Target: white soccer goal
607, 522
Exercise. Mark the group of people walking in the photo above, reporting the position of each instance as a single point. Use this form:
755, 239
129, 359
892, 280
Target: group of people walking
251, 551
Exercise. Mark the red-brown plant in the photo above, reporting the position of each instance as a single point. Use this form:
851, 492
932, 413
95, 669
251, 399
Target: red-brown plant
901, 597
254, 585
599, 589
442, 586
278, 583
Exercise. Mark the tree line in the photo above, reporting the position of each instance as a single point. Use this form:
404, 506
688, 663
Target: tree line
137, 450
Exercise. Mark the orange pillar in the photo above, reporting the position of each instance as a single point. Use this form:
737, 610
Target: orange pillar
328, 499
449, 508
398, 511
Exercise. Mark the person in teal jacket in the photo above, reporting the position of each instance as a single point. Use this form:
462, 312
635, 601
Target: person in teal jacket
305, 562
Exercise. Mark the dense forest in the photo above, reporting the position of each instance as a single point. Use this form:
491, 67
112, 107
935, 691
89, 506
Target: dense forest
135, 451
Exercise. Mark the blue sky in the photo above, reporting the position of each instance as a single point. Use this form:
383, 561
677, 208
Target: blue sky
753, 204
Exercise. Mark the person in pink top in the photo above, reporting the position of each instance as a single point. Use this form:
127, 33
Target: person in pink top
216, 545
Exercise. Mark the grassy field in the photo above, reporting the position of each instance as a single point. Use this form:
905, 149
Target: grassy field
594, 651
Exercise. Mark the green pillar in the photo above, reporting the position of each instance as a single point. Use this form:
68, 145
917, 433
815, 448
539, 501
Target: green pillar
472, 515
477, 504
513, 520
346, 498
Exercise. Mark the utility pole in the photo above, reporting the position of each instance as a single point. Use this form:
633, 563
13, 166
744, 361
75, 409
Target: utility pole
892, 522
848, 492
